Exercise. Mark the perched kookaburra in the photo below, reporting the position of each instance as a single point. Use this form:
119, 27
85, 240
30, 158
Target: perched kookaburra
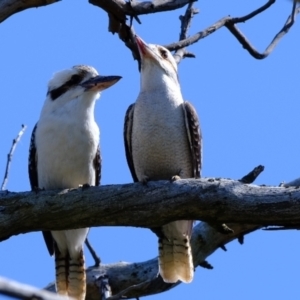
64, 153
163, 142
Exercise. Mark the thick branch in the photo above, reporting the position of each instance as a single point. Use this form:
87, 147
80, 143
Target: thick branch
216, 200
10, 7
133, 8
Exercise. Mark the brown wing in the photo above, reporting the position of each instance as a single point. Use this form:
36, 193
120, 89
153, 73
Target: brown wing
34, 183
97, 165
194, 135
32, 162
127, 140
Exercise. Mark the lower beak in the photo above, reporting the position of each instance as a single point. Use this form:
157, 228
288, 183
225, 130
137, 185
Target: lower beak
100, 83
144, 50
141, 45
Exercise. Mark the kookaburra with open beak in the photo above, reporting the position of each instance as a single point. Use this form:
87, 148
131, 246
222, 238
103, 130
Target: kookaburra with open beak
163, 142
64, 153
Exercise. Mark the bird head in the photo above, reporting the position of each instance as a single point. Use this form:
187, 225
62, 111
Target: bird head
156, 59
80, 83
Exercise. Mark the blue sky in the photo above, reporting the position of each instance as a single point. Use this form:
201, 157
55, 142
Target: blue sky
248, 111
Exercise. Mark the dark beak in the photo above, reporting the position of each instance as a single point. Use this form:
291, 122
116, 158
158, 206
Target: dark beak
100, 83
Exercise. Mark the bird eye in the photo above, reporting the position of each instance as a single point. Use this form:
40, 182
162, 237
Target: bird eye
163, 53
75, 79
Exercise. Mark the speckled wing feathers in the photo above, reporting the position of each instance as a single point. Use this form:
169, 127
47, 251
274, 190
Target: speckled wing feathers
32, 161
127, 140
194, 136
97, 165
34, 183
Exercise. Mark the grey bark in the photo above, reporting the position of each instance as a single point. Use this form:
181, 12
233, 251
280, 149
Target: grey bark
10, 7
24, 291
211, 200
218, 200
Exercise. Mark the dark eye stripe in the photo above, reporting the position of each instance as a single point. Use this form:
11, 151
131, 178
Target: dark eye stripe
73, 81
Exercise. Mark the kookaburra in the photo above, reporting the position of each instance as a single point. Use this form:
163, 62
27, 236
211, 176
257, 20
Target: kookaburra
163, 142
64, 153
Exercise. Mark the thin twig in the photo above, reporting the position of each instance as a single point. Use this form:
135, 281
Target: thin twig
119, 10
230, 22
10, 155
196, 37
251, 176
93, 253
254, 13
23, 291
230, 25
185, 25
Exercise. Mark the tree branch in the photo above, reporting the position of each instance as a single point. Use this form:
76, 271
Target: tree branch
118, 10
10, 7
185, 25
230, 22
122, 8
230, 25
23, 291
211, 200
251, 176
93, 253
254, 13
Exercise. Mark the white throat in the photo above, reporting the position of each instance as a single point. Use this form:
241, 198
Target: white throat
154, 78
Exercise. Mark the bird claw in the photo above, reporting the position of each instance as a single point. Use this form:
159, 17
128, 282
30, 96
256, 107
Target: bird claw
84, 186
37, 189
175, 178
221, 228
145, 180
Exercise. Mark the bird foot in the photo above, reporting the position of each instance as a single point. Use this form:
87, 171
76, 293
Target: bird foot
145, 180
37, 189
84, 186
174, 178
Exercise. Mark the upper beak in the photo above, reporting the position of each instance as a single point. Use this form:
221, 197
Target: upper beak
100, 83
144, 50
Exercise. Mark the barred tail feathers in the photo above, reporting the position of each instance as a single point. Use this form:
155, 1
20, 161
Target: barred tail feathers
175, 255
77, 277
61, 272
69, 262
